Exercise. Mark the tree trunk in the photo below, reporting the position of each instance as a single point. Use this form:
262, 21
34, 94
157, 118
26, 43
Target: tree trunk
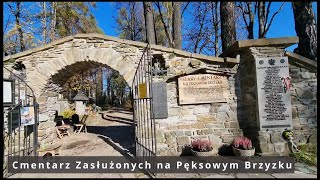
44, 23
99, 85
262, 18
154, 28
132, 20
215, 24
53, 21
306, 29
165, 26
177, 36
109, 86
251, 21
228, 28
148, 14
70, 21
18, 16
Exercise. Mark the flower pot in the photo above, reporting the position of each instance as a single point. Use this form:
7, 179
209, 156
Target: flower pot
198, 153
241, 152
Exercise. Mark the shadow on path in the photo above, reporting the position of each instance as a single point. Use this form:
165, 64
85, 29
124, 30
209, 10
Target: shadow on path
124, 152
117, 119
120, 111
124, 135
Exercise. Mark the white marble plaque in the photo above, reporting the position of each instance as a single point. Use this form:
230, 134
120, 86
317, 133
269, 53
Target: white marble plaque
8, 92
273, 89
202, 88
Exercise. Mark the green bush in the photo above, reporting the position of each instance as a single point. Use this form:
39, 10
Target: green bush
68, 113
307, 154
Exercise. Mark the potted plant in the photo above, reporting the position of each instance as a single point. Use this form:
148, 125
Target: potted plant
202, 148
242, 146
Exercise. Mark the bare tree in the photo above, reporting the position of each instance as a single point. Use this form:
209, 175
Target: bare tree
215, 24
263, 16
148, 12
248, 11
228, 30
203, 32
53, 21
306, 29
166, 26
177, 36
44, 22
130, 21
17, 14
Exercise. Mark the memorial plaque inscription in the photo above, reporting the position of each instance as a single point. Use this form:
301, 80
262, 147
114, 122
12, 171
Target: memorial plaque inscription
273, 88
202, 88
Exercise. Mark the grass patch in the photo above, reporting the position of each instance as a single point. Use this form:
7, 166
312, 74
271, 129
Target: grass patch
307, 154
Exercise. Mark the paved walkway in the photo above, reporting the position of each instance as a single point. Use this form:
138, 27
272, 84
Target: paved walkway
112, 135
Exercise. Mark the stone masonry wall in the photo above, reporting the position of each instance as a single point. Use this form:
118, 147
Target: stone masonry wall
48, 68
53, 64
247, 97
216, 122
303, 100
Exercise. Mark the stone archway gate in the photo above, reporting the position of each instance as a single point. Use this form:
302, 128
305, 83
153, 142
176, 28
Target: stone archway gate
48, 67
50, 62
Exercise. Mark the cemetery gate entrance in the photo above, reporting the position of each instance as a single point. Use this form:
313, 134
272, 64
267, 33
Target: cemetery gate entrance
145, 133
20, 111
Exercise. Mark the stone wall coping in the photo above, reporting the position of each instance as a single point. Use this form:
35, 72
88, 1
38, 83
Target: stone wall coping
301, 59
233, 50
124, 41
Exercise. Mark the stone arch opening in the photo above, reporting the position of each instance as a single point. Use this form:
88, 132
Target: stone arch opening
110, 123
43, 70
57, 85
49, 69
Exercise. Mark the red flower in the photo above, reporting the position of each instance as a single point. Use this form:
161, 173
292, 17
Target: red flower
201, 145
242, 143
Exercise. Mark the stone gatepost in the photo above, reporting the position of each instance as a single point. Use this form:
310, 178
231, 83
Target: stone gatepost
264, 101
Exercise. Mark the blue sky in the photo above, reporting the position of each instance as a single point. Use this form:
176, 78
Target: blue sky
282, 26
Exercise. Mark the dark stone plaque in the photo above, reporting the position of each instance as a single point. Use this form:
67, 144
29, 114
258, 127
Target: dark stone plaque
273, 89
159, 93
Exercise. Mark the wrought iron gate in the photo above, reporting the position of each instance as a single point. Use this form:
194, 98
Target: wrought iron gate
19, 137
145, 133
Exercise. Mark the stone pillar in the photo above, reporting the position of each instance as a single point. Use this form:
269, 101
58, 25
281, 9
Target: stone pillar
268, 138
266, 141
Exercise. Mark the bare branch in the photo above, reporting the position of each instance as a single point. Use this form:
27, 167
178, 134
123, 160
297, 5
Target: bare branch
274, 16
255, 7
164, 25
185, 7
267, 15
204, 45
243, 15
